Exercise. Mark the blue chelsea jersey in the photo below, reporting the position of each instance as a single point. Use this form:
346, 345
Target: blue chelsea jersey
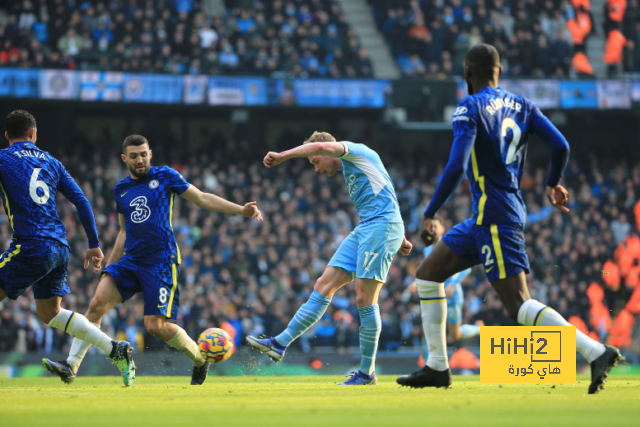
369, 184
147, 206
30, 180
501, 123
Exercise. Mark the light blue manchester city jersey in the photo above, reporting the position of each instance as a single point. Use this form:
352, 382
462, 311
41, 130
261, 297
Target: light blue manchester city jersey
369, 184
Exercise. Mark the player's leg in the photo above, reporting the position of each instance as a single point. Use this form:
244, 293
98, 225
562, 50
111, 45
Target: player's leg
456, 330
455, 252
106, 297
341, 270
3, 295
509, 282
378, 244
162, 303
307, 315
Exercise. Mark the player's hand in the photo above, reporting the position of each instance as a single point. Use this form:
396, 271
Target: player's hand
406, 247
273, 159
95, 257
559, 197
449, 291
250, 210
427, 231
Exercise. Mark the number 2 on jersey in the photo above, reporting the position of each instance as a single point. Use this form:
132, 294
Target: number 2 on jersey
512, 152
34, 184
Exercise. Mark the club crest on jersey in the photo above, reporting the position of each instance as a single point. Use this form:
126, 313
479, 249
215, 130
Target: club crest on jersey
154, 184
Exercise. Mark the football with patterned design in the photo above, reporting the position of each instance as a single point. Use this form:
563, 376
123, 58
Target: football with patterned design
215, 345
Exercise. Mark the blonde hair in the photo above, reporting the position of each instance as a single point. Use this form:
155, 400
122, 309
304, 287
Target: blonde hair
320, 137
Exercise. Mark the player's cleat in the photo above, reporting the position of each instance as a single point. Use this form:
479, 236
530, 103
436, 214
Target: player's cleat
359, 378
122, 356
601, 366
268, 346
61, 369
426, 377
199, 374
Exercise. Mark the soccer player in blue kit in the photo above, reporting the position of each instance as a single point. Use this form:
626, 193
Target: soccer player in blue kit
38, 256
146, 258
365, 255
491, 128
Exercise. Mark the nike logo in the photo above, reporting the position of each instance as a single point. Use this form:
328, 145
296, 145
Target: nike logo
122, 195
488, 270
162, 306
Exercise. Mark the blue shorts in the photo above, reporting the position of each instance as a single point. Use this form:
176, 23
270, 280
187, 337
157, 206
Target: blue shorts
158, 284
454, 305
38, 263
499, 247
368, 251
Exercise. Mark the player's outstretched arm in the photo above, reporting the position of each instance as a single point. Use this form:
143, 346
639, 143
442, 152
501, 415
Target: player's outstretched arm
72, 192
543, 127
331, 149
213, 203
118, 246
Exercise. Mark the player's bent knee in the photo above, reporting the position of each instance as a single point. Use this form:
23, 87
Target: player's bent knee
154, 326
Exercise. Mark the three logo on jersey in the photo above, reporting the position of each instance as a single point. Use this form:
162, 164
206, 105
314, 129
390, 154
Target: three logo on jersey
142, 212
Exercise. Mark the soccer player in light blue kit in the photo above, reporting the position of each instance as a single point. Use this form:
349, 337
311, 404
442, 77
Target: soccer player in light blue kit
365, 255
491, 128
38, 256
145, 257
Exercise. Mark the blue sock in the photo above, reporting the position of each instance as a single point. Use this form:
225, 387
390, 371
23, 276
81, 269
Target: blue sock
370, 325
306, 317
469, 331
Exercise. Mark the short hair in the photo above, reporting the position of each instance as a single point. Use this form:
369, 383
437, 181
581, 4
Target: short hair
18, 123
135, 140
482, 59
320, 137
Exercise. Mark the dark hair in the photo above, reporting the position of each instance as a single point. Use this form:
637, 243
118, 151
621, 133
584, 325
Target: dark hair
482, 59
135, 140
18, 123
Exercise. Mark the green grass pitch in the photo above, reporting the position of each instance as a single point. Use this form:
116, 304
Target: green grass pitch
311, 401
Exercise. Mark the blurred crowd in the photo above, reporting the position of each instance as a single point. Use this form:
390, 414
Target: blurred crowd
279, 38
535, 38
250, 278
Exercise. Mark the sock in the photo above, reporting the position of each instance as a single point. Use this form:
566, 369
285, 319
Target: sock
78, 351
433, 305
370, 325
76, 325
306, 316
183, 342
534, 313
469, 331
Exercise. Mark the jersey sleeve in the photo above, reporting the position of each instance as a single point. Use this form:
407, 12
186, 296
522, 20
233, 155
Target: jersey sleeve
116, 191
176, 182
69, 188
542, 126
351, 148
464, 119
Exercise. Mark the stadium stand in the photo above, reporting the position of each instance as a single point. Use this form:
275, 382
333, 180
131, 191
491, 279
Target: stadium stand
251, 277
309, 38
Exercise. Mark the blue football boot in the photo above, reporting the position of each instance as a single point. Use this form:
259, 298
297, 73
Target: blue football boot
61, 369
358, 378
268, 346
122, 357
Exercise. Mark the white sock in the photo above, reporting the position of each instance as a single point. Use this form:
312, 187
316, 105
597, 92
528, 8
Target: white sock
534, 313
186, 346
433, 304
469, 331
76, 325
78, 351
